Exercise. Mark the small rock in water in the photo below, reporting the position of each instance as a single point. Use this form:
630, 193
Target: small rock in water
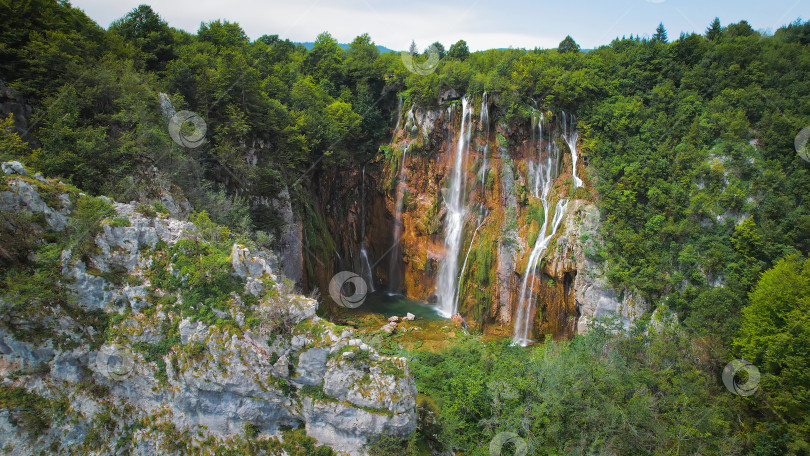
409, 317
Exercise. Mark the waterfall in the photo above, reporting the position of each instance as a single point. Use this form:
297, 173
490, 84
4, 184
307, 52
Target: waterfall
467, 257
393, 270
365, 266
454, 218
484, 121
543, 174
399, 118
571, 135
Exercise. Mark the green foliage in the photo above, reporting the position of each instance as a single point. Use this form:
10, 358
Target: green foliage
251, 430
160, 208
222, 34
46, 45
568, 45
118, 222
660, 33
150, 36
317, 393
146, 210
86, 224
29, 411
439, 47
628, 392
11, 146
156, 353
210, 231
536, 214
203, 279
459, 50
691, 141
775, 337
714, 30
384, 445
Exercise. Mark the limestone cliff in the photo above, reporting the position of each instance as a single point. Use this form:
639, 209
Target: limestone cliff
152, 335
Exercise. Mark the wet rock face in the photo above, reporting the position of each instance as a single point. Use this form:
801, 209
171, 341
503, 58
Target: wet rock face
349, 216
500, 226
282, 367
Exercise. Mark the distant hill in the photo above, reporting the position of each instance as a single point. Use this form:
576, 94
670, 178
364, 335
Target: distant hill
309, 45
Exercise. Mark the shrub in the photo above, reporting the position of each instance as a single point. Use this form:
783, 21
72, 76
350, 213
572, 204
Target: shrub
251, 430
86, 224
146, 210
118, 222
160, 208
30, 411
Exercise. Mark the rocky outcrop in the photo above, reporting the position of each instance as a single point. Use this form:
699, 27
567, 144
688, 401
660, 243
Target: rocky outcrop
23, 195
290, 243
12, 102
168, 371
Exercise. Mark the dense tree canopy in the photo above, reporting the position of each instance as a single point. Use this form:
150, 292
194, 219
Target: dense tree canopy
149, 34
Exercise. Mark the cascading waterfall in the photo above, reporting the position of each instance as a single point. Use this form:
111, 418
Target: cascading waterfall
454, 218
399, 118
366, 265
571, 135
393, 270
543, 182
484, 121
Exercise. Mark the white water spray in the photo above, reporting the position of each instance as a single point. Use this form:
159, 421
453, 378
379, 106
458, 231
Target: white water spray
571, 136
454, 218
543, 183
393, 268
484, 121
399, 118
366, 265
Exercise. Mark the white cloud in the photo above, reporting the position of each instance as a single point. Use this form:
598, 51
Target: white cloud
483, 24
390, 24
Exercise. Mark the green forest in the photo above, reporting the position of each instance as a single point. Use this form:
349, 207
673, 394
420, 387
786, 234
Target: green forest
675, 131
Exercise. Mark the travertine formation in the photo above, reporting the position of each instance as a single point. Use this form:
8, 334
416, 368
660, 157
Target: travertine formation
570, 289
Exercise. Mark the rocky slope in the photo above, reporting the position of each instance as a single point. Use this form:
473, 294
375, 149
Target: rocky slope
127, 330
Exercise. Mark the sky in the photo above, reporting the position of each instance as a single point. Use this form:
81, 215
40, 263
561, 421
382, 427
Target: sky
483, 24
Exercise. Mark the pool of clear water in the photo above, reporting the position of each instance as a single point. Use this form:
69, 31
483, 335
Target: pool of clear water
389, 305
